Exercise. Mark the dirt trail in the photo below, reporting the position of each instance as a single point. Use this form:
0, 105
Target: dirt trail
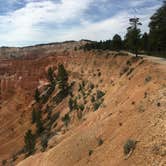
151, 58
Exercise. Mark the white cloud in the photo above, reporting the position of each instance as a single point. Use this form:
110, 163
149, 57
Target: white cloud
33, 23
23, 24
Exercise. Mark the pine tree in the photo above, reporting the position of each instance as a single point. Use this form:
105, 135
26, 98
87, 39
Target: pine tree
70, 103
29, 140
37, 95
157, 36
62, 77
33, 116
133, 35
51, 75
117, 43
145, 42
39, 124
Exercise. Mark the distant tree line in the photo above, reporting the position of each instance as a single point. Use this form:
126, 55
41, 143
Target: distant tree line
153, 42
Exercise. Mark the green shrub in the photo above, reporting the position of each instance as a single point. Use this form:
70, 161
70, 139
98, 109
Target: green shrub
66, 119
83, 83
129, 146
100, 94
44, 141
81, 107
50, 75
62, 77
92, 99
33, 116
90, 152
91, 86
79, 114
39, 123
100, 142
37, 95
148, 78
29, 140
71, 104
96, 105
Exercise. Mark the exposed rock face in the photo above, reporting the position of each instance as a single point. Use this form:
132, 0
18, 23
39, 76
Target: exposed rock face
39, 50
133, 108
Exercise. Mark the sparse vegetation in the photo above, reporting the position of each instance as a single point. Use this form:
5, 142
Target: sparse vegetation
62, 78
29, 140
100, 141
90, 152
44, 141
99, 94
39, 124
33, 116
50, 75
96, 105
79, 114
37, 95
148, 78
129, 146
66, 119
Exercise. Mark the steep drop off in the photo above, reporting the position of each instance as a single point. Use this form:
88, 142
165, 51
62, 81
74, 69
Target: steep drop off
132, 106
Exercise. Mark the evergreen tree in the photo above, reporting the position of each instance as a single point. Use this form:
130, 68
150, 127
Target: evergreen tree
157, 36
51, 75
66, 119
117, 43
37, 95
44, 141
70, 103
62, 77
29, 140
145, 42
39, 124
33, 116
133, 35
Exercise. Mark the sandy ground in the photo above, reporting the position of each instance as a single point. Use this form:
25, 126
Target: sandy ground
134, 108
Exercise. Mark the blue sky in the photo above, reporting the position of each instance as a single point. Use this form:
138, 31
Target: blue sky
28, 22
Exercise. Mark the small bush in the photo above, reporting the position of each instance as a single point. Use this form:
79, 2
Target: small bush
128, 63
129, 146
81, 107
100, 142
66, 119
96, 106
71, 104
99, 74
37, 95
44, 141
158, 104
91, 86
92, 99
148, 78
33, 116
100, 94
79, 114
4, 162
90, 152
